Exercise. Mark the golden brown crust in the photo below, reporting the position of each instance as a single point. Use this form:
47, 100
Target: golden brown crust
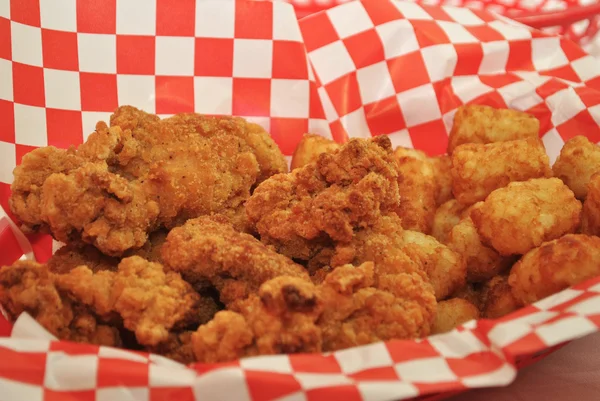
309, 149
590, 217
579, 159
446, 216
443, 173
497, 299
452, 313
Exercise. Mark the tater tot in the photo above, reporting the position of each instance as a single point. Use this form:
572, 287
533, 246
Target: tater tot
554, 266
418, 190
497, 299
579, 159
446, 216
590, 217
484, 124
443, 166
523, 215
452, 313
309, 149
479, 169
470, 292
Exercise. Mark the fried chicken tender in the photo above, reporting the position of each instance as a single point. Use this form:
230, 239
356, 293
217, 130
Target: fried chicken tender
177, 347
326, 201
497, 299
446, 216
443, 174
418, 189
554, 266
484, 124
69, 257
452, 313
309, 149
27, 286
237, 264
579, 159
590, 217
479, 169
523, 215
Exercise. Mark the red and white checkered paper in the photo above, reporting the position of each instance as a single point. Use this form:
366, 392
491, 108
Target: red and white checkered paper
376, 67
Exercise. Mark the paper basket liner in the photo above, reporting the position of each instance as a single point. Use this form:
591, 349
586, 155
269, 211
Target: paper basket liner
375, 67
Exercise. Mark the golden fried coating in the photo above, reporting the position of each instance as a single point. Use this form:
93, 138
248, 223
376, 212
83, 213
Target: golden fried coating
479, 169
579, 159
309, 149
452, 313
523, 215
237, 264
497, 299
470, 292
554, 266
69, 257
484, 124
418, 188
443, 174
177, 347
446, 216
300, 212
590, 217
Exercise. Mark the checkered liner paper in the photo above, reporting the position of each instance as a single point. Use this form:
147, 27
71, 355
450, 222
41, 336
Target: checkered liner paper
360, 69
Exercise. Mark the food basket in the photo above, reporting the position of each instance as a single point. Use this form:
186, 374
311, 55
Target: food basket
359, 69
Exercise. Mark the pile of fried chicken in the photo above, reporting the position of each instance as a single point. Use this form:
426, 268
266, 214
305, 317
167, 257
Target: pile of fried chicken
188, 237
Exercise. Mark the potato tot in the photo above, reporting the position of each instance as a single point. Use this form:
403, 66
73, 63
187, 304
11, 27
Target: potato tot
309, 149
497, 299
579, 159
446, 216
452, 313
479, 169
484, 124
554, 266
590, 218
470, 292
443, 166
515, 219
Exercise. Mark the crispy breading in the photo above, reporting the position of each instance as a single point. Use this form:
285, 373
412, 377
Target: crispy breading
443, 174
446, 216
497, 299
579, 159
178, 347
470, 292
590, 217
451, 313
309, 149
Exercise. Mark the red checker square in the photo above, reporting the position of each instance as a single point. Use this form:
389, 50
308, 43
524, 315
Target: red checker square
447, 99
550, 88
251, 97
25, 367
492, 99
258, 27
439, 387
571, 50
279, 385
377, 374
287, 132
30, 90
122, 372
381, 11
519, 56
94, 16
430, 137
71, 348
5, 43
136, 54
429, 33
338, 132
437, 13
174, 95
289, 60
384, 117
484, 15
412, 62
586, 285
7, 121
64, 128
499, 80
475, 364
4, 197
583, 122
22, 150
317, 31
42, 246
564, 72
314, 363
404, 350
171, 393
213, 57
562, 307
346, 393
315, 106
51, 395
11, 252
469, 60
595, 319
25, 11
542, 112
526, 345
590, 97
59, 50
484, 33
365, 48
344, 94
98, 92
175, 18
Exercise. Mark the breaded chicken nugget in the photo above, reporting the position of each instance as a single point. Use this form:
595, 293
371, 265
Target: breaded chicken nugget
446, 216
523, 215
579, 159
452, 313
590, 218
484, 124
479, 169
443, 174
309, 149
555, 266
497, 299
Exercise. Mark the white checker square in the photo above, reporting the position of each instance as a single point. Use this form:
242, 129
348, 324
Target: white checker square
213, 95
309, 381
26, 327
504, 334
8, 162
290, 98
469, 87
30, 125
440, 61
114, 353
65, 377
264, 122
520, 95
5, 9
26, 43
355, 124
425, 370
595, 112
546, 53
586, 67
502, 376
532, 77
14, 390
331, 62
97, 53
222, 384
136, 17
456, 32
320, 127
89, 120
375, 83
349, 19
56, 245
463, 16
252, 58
588, 307
330, 112
170, 376
174, 56
553, 143
495, 57
559, 298
401, 138
565, 104
282, 29
362, 358
510, 32
419, 105
374, 390
535, 318
24, 345
412, 11
297, 396
566, 329
215, 19
456, 344
62, 89
60, 15
268, 363
389, 34
164, 362
123, 393
595, 288
137, 90
448, 119
6, 80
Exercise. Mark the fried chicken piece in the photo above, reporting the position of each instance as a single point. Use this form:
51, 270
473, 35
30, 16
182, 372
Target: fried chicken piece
446, 216
554, 266
579, 159
177, 347
69, 257
451, 313
497, 299
309, 149
590, 217
326, 201
237, 264
443, 173
523, 215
